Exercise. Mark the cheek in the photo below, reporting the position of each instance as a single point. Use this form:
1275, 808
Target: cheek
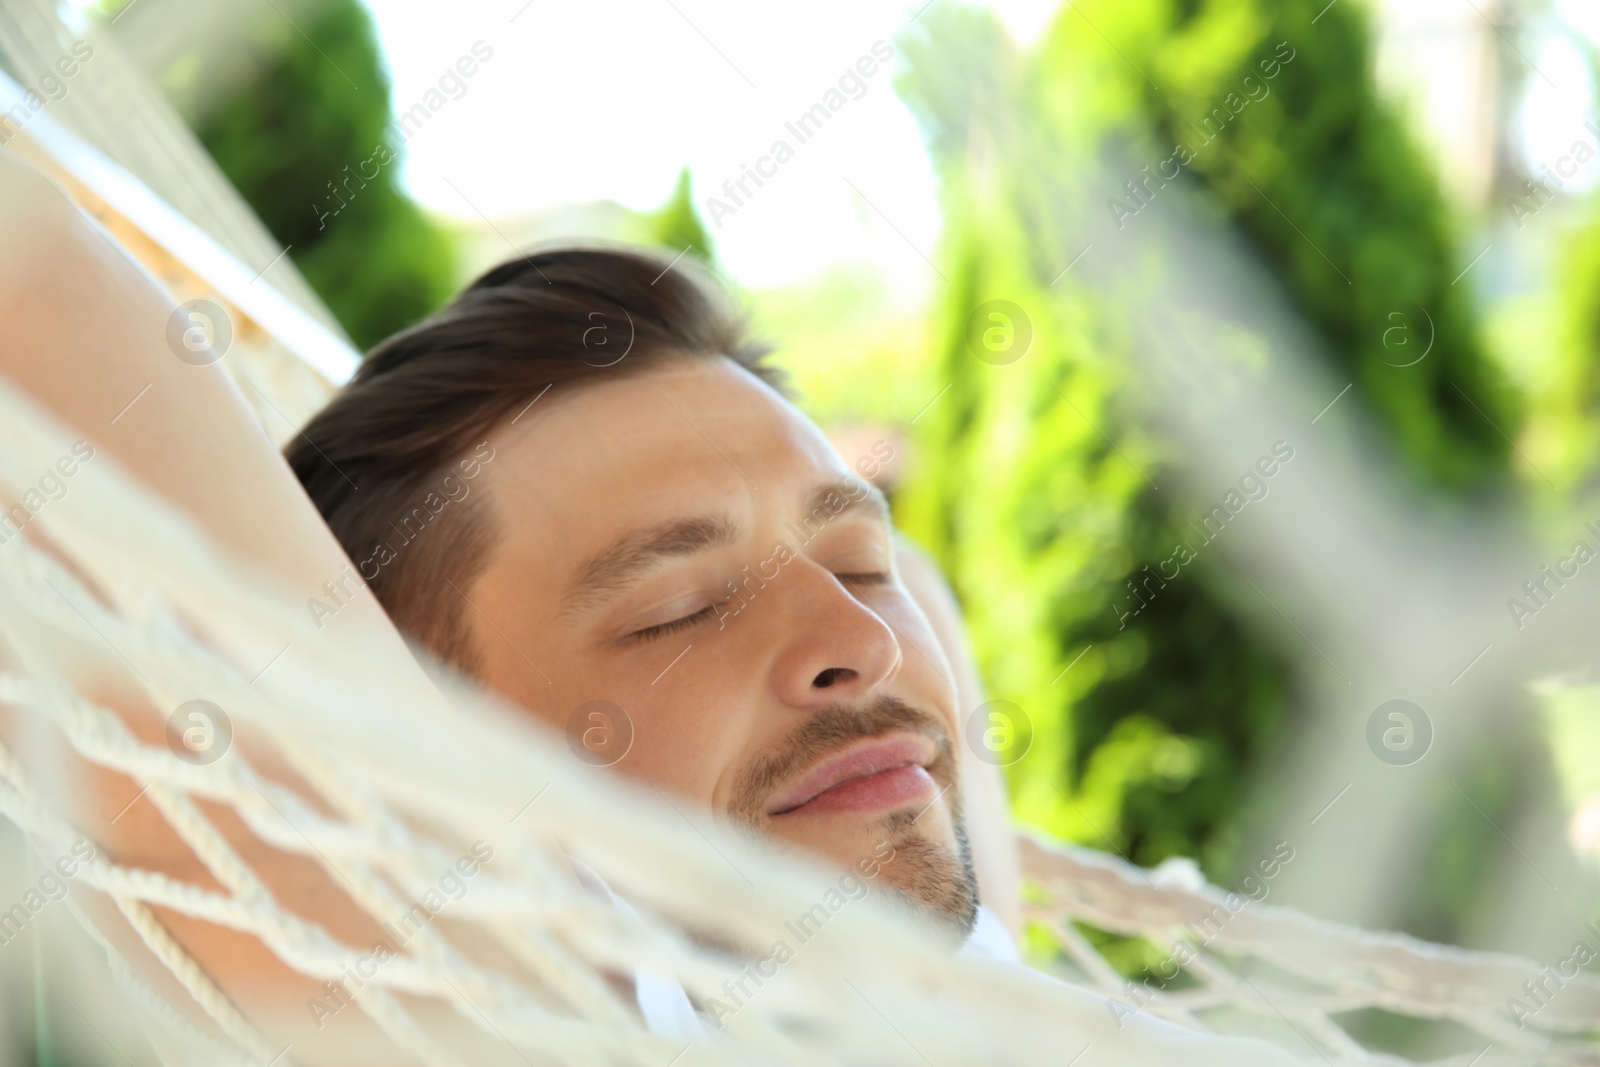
674, 749
926, 676
695, 727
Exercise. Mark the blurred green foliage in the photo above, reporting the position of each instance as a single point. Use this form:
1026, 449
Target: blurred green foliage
1037, 485
677, 225
1550, 338
311, 147
1323, 178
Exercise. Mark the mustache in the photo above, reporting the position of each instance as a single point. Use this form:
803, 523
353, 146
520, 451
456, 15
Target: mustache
826, 732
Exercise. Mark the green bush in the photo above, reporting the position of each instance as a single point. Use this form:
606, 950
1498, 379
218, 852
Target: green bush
1036, 486
299, 143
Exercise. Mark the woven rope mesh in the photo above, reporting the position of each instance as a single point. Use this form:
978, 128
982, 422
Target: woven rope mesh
385, 790
390, 792
115, 614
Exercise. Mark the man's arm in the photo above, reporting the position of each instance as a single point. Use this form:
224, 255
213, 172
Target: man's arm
84, 334
994, 852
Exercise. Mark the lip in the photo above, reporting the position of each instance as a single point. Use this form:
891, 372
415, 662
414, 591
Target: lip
874, 773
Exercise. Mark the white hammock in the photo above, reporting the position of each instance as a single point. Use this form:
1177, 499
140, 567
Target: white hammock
393, 788
400, 790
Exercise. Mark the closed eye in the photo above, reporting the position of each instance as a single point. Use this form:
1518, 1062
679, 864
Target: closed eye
865, 578
650, 633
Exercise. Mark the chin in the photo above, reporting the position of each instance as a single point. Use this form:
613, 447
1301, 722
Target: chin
931, 873
921, 864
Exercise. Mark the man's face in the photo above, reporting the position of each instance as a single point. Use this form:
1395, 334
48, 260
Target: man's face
686, 546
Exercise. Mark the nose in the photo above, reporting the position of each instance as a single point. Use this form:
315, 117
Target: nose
838, 650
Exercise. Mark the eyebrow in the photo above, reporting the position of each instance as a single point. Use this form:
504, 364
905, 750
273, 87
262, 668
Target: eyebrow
874, 500
615, 569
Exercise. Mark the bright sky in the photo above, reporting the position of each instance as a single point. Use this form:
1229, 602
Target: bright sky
1560, 99
607, 100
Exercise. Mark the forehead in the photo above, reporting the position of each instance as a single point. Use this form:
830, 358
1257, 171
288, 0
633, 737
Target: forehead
687, 437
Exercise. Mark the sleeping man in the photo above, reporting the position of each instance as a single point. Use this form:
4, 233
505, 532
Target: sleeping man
662, 555
664, 547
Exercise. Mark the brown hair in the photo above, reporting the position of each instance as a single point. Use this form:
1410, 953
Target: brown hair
380, 460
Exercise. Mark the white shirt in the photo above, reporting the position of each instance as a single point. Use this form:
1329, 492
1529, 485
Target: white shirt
667, 1010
